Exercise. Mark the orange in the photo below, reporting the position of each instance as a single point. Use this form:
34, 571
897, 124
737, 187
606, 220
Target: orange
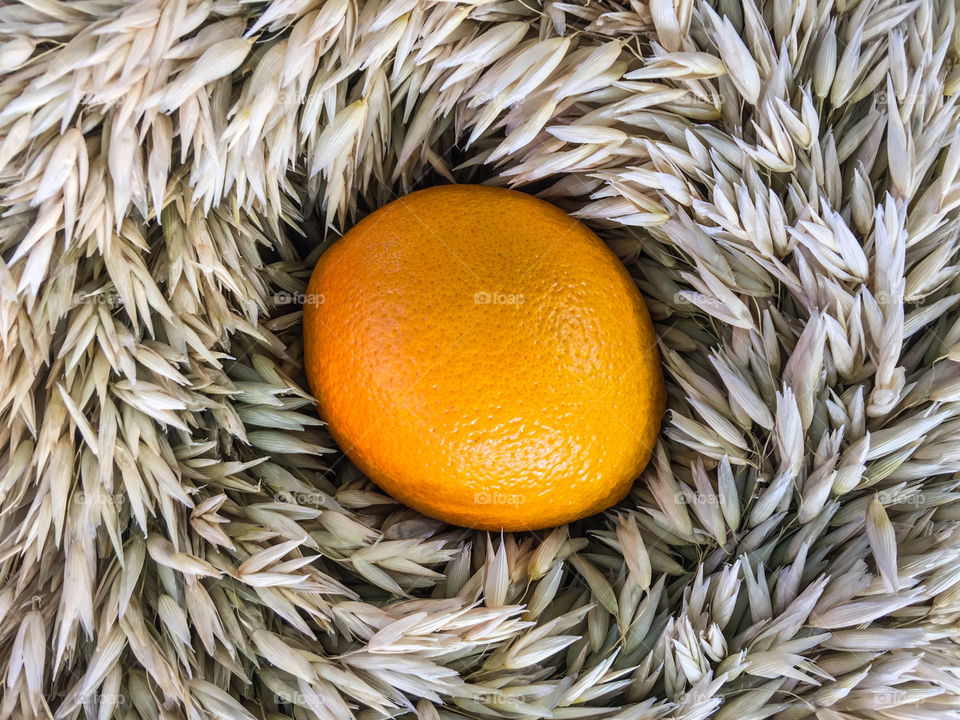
484, 358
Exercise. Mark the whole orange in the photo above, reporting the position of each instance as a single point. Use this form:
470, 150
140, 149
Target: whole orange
484, 358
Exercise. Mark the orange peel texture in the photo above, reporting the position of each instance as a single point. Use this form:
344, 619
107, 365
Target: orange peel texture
484, 358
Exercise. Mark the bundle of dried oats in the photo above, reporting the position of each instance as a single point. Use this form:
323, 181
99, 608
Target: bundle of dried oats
178, 541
